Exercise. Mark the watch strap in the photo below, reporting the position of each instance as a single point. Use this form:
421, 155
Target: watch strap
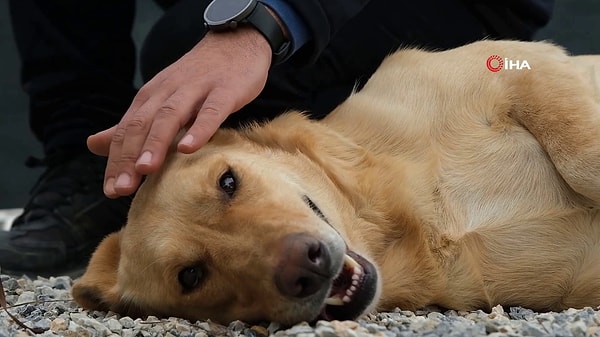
268, 26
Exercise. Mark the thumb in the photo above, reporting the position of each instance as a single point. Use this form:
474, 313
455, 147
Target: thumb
99, 143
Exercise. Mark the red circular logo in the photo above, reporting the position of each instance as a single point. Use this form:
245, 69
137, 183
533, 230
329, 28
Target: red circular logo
494, 63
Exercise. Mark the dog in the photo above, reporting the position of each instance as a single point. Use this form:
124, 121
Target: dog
442, 181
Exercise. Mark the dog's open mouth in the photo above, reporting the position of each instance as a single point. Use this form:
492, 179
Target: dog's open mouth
352, 291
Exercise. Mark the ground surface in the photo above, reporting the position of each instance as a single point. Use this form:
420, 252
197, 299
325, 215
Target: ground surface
45, 304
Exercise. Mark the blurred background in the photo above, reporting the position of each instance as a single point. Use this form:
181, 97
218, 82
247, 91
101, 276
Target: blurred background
575, 25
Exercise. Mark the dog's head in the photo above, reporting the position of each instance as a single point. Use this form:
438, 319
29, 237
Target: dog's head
238, 230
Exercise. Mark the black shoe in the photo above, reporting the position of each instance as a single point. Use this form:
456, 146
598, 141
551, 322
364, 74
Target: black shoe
66, 217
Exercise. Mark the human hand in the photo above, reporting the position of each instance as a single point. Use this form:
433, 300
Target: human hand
221, 74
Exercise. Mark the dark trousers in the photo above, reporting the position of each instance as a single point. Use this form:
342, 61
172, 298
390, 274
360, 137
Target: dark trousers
78, 58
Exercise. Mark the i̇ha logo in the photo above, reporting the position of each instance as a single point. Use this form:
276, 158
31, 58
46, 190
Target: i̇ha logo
496, 63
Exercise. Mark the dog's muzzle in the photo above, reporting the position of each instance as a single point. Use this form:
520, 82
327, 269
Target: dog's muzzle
352, 291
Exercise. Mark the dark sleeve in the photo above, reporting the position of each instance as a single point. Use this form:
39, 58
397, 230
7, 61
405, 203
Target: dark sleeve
324, 18
514, 19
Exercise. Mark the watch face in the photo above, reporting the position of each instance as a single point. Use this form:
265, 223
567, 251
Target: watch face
221, 12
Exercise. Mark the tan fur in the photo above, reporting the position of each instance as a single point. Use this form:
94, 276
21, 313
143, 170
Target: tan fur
466, 188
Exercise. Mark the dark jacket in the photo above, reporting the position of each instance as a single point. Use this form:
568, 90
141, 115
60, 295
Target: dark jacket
508, 19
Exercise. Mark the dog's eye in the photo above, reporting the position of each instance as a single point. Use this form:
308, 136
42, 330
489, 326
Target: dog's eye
227, 183
314, 207
190, 277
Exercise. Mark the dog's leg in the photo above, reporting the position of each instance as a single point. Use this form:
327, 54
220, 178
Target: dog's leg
546, 262
564, 116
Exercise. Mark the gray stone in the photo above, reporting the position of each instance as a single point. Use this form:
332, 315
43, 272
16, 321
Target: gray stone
157, 330
204, 326
534, 330
61, 283
578, 328
521, 313
127, 333
237, 326
126, 322
10, 285
325, 330
26, 297
114, 325
302, 328
43, 323
89, 322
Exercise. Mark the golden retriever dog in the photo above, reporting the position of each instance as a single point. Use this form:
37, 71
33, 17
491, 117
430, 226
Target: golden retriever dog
442, 182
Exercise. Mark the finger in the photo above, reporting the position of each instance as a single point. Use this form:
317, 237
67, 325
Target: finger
99, 143
124, 179
110, 141
215, 109
127, 143
170, 118
111, 174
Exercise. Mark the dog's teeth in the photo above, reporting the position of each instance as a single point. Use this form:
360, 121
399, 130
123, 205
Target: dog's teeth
357, 270
351, 262
355, 278
353, 287
349, 292
335, 300
346, 299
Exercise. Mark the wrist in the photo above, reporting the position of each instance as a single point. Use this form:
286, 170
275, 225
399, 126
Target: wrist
221, 16
247, 40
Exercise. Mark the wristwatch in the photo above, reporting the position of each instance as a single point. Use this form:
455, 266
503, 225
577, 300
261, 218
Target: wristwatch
223, 15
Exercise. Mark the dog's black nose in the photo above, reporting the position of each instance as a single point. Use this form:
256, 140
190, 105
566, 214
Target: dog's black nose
304, 267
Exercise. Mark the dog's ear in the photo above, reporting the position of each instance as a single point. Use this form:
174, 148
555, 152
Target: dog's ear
97, 288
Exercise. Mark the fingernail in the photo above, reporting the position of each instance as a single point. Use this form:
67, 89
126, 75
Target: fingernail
187, 140
145, 158
109, 187
123, 180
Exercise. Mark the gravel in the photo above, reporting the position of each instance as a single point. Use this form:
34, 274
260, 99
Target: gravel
46, 304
